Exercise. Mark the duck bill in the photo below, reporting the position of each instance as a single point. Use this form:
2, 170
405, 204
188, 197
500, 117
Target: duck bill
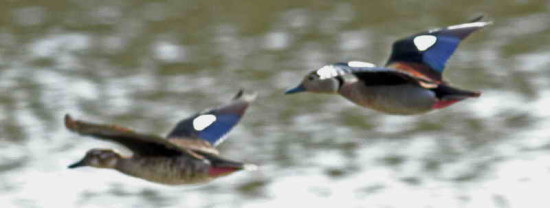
299, 88
77, 164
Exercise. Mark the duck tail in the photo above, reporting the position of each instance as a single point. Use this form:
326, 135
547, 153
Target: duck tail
221, 167
445, 92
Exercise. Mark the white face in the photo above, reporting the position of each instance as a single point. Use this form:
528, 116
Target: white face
326, 72
321, 81
327, 79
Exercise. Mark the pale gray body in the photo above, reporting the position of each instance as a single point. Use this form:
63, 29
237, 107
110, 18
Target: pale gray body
404, 99
401, 99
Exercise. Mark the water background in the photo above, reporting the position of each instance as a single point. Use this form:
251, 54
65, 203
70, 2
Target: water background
147, 64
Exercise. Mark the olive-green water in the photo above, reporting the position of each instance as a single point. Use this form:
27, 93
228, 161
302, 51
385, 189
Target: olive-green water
147, 64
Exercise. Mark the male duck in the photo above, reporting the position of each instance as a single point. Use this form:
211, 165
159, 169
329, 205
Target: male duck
186, 156
410, 83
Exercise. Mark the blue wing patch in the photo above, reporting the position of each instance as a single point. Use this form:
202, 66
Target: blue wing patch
219, 128
437, 55
212, 125
427, 53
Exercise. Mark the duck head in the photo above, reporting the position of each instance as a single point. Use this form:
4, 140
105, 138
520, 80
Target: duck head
316, 82
99, 158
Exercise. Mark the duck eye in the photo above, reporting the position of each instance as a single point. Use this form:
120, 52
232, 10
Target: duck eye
311, 78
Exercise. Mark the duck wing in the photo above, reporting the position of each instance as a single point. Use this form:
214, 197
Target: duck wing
425, 54
139, 144
373, 76
208, 128
390, 78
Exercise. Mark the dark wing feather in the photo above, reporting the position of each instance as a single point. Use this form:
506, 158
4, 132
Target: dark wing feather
388, 77
425, 54
384, 78
139, 144
217, 161
446, 92
212, 125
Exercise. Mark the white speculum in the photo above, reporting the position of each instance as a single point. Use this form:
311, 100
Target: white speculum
424, 42
360, 64
203, 121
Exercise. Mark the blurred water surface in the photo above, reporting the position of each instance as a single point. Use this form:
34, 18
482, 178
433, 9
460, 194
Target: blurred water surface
147, 64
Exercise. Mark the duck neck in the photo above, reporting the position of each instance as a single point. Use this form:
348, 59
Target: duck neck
122, 164
340, 80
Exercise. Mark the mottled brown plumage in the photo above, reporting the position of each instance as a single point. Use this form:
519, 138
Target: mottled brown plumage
173, 160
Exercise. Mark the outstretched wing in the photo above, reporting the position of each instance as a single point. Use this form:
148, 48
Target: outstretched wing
425, 54
139, 144
212, 125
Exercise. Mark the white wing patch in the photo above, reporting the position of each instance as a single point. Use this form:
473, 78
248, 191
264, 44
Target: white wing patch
424, 42
200, 123
360, 64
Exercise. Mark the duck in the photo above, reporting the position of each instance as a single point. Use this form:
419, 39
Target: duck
411, 81
187, 155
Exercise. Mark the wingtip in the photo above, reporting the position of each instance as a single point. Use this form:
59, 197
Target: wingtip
473, 25
247, 96
477, 18
486, 23
239, 94
480, 18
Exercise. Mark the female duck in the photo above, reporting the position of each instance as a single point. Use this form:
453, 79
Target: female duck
186, 156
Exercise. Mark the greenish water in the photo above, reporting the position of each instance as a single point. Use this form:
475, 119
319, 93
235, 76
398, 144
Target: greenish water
147, 64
